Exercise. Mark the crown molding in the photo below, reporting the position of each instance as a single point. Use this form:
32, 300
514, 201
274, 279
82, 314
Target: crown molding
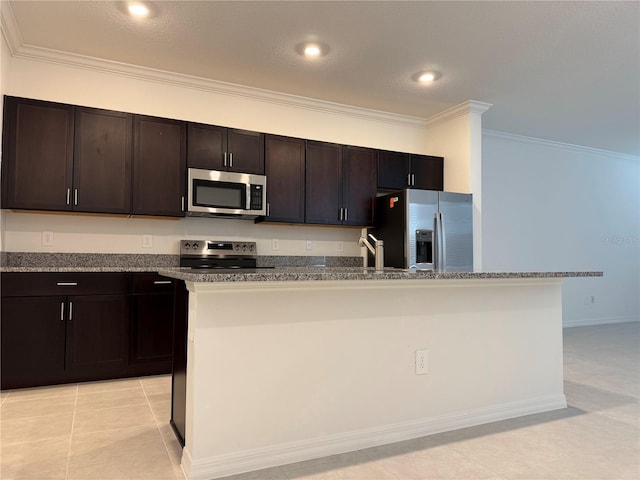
465, 108
20, 50
10, 29
554, 144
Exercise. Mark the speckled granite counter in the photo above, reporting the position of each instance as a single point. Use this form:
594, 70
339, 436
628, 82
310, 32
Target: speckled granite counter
337, 273
86, 262
121, 262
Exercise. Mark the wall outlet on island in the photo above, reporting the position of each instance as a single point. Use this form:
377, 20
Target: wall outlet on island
339, 247
309, 245
275, 244
422, 362
147, 241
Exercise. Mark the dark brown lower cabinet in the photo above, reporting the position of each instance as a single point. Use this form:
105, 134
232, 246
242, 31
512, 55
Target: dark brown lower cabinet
71, 327
179, 371
151, 341
97, 334
33, 341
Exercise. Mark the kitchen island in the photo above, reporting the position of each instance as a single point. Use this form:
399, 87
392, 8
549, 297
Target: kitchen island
286, 365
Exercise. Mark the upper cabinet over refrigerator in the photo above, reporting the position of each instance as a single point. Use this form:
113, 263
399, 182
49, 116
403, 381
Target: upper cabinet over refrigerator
426, 229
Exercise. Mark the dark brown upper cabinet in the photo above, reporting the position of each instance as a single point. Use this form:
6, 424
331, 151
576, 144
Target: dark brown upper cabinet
102, 161
285, 171
159, 166
219, 148
37, 167
358, 185
65, 158
397, 171
340, 184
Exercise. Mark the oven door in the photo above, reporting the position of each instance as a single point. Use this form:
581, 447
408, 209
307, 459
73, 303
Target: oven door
212, 192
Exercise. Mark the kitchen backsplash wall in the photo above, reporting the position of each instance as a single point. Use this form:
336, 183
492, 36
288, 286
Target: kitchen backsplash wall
26, 232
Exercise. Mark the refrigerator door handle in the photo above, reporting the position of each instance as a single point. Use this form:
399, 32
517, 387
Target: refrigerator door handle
443, 243
439, 243
436, 243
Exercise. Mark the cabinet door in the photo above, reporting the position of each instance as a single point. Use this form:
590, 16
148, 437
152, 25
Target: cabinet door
152, 328
102, 161
206, 146
97, 335
359, 185
33, 341
37, 155
246, 151
428, 172
284, 162
323, 186
393, 170
159, 166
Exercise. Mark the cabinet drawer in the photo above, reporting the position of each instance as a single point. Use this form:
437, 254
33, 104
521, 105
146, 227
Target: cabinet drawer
151, 283
38, 284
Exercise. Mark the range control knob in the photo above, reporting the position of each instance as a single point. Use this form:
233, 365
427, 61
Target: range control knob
237, 247
187, 246
195, 246
251, 247
244, 247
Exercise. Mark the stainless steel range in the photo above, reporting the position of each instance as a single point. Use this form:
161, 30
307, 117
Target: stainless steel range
219, 255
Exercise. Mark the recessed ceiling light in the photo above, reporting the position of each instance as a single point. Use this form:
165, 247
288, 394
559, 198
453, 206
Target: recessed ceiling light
139, 10
426, 77
312, 49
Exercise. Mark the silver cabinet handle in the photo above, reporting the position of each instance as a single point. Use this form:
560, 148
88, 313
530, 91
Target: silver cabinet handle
75, 196
268, 209
161, 282
231, 159
67, 284
409, 179
68, 196
225, 159
182, 204
62, 311
341, 214
413, 179
346, 214
70, 310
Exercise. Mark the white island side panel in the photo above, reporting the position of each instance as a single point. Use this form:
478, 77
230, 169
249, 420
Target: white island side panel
285, 371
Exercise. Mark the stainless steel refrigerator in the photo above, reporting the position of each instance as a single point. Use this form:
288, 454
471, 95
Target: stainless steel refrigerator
426, 229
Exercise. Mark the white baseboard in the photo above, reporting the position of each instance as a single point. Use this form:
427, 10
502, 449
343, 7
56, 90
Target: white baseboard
585, 322
244, 461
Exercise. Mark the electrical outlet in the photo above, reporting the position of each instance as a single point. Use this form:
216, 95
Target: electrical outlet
339, 247
309, 245
47, 239
147, 241
275, 244
422, 362
593, 299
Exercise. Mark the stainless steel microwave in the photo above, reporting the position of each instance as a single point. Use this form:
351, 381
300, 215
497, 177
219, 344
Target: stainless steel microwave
228, 194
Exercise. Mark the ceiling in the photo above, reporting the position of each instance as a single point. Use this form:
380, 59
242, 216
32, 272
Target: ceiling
558, 70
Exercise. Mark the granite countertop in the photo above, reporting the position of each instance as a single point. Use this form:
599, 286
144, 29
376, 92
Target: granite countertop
336, 273
281, 268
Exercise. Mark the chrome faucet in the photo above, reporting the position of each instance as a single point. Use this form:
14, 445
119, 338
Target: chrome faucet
377, 252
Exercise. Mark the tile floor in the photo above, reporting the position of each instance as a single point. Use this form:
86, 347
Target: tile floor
118, 431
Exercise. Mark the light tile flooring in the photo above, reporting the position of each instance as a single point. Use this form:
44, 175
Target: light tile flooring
118, 431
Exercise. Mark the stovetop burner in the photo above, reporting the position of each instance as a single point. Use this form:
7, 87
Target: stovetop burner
207, 254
